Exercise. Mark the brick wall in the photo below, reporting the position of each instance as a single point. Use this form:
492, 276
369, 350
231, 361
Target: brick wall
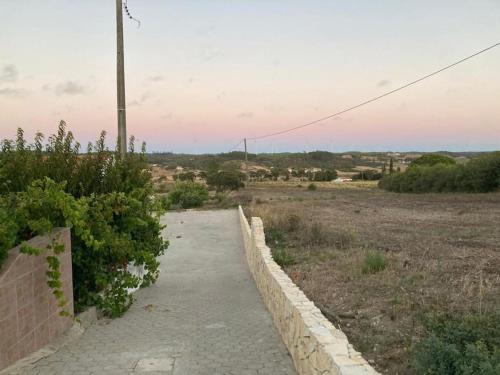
29, 315
316, 346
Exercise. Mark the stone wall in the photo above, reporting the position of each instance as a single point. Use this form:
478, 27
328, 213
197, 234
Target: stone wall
316, 346
29, 315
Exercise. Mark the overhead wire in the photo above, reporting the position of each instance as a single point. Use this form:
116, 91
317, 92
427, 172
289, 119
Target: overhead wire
375, 98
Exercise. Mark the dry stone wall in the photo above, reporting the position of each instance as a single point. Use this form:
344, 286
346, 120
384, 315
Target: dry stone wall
316, 346
29, 315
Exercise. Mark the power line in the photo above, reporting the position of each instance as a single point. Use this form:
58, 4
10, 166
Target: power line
125, 5
236, 145
375, 98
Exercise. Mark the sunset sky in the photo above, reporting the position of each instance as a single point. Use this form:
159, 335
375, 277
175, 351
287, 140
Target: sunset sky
202, 74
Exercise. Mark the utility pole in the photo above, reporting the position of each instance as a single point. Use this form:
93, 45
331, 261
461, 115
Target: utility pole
120, 81
246, 158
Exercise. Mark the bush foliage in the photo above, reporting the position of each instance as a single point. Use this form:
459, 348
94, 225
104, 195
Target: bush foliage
479, 175
374, 262
187, 194
226, 180
459, 345
368, 175
107, 202
429, 160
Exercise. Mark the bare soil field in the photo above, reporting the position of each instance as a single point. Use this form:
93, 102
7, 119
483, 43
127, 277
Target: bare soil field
375, 261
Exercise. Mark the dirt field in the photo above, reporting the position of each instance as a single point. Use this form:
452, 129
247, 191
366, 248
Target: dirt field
374, 261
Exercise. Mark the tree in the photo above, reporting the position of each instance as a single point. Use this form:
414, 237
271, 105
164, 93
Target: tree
226, 180
430, 160
391, 166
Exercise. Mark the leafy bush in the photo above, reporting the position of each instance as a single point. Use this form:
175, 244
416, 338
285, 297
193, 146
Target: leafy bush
459, 345
326, 175
275, 237
186, 176
276, 240
374, 262
107, 202
312, 187
226, 180
368, 176
479, 175
429, 160
283, 257
188, 194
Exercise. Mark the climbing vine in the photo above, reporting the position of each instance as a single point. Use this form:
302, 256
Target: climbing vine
107, 202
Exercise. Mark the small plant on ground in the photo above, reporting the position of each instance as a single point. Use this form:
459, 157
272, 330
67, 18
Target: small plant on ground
312, 187
374, 262
275, 237
283, 257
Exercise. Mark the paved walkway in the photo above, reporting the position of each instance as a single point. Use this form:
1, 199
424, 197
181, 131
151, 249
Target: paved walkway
203, 316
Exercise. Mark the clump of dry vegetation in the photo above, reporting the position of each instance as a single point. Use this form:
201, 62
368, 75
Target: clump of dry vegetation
380, 264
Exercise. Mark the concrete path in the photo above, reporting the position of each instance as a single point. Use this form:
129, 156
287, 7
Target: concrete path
203, 316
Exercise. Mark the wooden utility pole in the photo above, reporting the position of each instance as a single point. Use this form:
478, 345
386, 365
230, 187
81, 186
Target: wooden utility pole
120, 80
246, 158
246, 153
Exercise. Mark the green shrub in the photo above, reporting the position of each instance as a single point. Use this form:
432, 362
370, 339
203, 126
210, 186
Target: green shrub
283, 257
429, 160
8, 231
374, 262
459, 345
186, 176
367, 176
479, 175
188, 194
326, 175
225, 180
312, 187
275, 237
106, 200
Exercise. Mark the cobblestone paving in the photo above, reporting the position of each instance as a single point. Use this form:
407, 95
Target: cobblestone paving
203, 316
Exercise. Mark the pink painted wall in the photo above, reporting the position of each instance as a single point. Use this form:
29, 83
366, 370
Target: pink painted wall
29, 315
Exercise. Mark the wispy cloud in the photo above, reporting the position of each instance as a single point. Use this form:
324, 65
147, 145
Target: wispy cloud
70, 88
9, 73
245, 115
13, 93
206, 30
210, 54
155, 79
144, 98
384, 83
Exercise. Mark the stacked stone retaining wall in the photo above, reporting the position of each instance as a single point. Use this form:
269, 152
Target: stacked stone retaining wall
316, 346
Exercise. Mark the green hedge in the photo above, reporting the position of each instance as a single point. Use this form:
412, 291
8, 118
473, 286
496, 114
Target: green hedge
107, 201
479, 175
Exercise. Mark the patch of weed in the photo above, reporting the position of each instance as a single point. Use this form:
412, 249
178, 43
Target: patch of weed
374, 262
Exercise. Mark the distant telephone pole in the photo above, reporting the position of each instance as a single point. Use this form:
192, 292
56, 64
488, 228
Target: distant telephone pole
246, 156
120, 80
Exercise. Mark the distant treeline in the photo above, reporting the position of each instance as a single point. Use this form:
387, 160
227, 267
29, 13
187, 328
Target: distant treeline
438, 173
346, 161
299, 160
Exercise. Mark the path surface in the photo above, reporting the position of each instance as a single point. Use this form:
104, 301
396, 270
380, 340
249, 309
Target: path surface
203, 316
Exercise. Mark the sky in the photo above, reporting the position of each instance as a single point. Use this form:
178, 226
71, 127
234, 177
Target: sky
203, 74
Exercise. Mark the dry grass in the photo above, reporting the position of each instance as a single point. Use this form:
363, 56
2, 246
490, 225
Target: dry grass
442, 253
